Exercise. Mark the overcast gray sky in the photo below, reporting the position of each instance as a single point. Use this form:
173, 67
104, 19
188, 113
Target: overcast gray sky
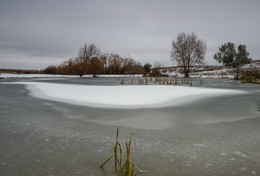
35, 34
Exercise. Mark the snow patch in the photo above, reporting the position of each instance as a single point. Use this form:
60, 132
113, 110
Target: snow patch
127, 96
240, 154
199, 145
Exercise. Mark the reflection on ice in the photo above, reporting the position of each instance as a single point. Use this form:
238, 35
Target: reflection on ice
148, 123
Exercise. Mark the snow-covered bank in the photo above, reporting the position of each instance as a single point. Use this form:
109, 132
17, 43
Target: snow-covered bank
8, 75
211, 72
121, 96
214, 74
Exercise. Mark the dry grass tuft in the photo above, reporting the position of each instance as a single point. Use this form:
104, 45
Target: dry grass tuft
123, 163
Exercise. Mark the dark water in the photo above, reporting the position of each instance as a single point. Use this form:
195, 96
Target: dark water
214, 136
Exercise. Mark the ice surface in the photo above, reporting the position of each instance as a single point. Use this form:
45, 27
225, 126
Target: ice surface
40, 137
9, 75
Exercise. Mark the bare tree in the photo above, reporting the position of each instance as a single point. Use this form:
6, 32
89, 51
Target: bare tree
85, 53
147, 68
50, 69
188, 51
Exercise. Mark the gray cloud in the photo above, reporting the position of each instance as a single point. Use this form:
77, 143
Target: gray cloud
34, 34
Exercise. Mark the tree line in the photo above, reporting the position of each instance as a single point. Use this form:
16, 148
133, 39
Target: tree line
187, 51
90, 60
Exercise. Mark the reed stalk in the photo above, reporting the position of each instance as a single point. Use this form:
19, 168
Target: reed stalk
123, 164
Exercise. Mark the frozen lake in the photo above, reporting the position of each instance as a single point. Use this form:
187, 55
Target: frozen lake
209, 136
